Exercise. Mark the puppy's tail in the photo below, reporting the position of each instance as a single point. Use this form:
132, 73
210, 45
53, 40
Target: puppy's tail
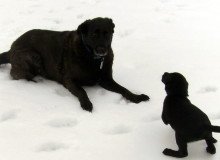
4, 58
214, 128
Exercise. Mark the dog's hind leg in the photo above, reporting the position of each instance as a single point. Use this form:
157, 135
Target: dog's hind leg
182, 152
23, 64
21, 73
210, 143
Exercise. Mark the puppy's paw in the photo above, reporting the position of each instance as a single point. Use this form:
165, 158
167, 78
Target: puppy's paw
211, 150
138, 98
172, 153
167, 151
214, 140
87, 105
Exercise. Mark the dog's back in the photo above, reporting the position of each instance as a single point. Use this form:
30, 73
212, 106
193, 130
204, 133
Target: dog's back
185, 118
43, 49
188, 121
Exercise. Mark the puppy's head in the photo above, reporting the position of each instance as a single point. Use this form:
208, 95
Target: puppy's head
97, 35
175, 84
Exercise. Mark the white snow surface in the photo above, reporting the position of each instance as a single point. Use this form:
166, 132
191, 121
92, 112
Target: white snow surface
43, 121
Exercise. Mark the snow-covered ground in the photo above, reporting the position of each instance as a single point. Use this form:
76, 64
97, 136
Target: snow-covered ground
43, 121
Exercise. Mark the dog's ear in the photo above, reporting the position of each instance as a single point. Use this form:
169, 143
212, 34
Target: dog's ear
83, 28
111, 24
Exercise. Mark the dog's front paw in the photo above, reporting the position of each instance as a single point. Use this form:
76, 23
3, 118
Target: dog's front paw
87, 105
138, 98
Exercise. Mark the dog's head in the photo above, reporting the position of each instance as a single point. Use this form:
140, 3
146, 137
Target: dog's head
175, 84
97, 35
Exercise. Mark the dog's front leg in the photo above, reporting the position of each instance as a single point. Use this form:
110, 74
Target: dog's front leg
111, 85
165, 115
182, 144
80, 93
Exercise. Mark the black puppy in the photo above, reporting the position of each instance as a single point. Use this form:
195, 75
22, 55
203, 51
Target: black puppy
188, 121
72, 58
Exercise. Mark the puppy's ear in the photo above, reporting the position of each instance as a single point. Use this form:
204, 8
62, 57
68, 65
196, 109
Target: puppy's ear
83, 28
111, 24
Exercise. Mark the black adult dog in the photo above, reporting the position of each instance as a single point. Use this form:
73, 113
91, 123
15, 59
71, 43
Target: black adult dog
188, 121
72, 58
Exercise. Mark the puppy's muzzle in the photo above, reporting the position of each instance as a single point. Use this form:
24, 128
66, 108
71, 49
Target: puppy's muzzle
165, 77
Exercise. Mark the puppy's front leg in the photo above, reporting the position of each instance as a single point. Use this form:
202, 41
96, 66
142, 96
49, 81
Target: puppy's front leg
111, 85
80, 93
164, 119
182, 152
165, 115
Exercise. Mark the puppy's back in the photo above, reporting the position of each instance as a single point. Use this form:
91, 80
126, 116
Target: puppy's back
184, 116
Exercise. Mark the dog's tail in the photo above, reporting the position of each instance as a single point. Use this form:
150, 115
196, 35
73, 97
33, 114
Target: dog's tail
4, 58
214, 128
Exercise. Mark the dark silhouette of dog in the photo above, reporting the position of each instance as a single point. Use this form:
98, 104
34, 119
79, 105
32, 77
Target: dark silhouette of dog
188, 121
73, 58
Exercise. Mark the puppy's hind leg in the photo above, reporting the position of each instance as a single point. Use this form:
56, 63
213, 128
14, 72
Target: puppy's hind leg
210, 143
213, 140
182, 152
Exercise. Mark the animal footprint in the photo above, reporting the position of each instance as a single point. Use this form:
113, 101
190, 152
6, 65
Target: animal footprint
215, 116
151, 118
79, 16
62, 92
51, 147
208, 89
57, 21
69, 7
101, 92
60, 123
164, 1
8, 115
119, 129
125, 33
168, 20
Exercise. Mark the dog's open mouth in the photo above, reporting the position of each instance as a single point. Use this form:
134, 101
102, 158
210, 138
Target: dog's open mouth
101, 54
100, 51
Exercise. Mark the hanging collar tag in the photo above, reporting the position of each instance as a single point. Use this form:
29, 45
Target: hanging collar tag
102, 61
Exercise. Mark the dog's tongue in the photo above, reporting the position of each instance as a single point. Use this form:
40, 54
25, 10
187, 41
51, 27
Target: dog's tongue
101, 54
101, 51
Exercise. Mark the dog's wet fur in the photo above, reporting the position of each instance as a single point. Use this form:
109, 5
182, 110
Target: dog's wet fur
188, 121
72, 58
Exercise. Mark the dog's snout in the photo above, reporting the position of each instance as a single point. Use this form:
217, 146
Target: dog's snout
165, 77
